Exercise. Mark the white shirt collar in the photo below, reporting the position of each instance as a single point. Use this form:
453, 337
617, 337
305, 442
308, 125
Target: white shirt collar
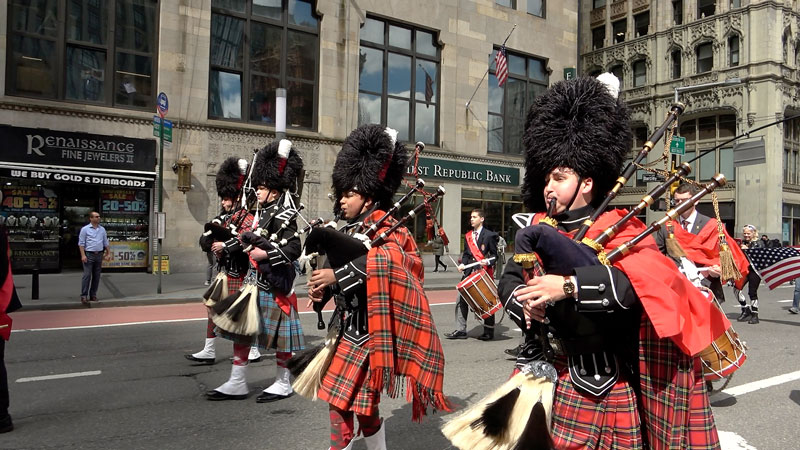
690, 220
478, 231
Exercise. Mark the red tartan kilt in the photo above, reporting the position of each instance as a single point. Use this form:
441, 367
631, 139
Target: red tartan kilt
584, 421
234, 284
346, 383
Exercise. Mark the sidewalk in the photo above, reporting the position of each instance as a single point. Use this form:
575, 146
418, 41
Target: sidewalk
62, 290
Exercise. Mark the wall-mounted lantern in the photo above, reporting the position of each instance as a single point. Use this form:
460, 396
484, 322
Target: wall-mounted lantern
183, 167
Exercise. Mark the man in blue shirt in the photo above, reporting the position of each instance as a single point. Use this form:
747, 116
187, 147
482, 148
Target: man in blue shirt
93, 243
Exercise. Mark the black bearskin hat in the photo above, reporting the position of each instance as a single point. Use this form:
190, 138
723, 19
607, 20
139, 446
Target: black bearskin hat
230, 177
371, 163
579, 124
277, 166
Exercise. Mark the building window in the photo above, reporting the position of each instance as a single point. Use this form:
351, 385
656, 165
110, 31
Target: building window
705, 133
705, 58
617, 71
639, 73
677, 12
507, 3
399, 79
791, 147
598, 4
676, 64
498, 208
736, 4
640, 136
641, 23
537, 7
257, 47
598, 37
85, 51
733, 51
705, 8
528, 77
618, 30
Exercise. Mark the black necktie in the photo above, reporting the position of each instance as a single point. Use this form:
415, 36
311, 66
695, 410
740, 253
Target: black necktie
685, 224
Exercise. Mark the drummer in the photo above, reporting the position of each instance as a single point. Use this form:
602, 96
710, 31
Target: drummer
698, 237
480, 253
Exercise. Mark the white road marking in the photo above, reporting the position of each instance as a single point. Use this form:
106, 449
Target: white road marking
731, 441
762, 384
109, 325
60, 376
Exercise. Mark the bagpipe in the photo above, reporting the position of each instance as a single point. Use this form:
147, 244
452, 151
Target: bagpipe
518, 414
309, 366
239, 313
223, 228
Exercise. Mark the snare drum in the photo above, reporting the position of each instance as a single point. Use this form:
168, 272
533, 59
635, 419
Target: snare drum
725, 355
480, 293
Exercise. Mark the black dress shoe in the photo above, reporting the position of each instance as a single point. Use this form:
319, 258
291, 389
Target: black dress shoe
85, 302
746, 313
486, 337
753, 318
6, 425
217, 395
267, 397
513, 351
435, 270
208, 361
456, 335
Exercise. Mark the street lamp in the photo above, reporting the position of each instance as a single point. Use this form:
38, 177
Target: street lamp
696, 87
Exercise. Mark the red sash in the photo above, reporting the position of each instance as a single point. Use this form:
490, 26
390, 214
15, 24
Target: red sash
286, 302
703, 248
477, 253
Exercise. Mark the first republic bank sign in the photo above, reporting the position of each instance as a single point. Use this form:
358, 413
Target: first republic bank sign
37, 153
463, 171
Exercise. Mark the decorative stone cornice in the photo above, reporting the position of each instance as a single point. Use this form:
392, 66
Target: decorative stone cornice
640, 5
69, 112
619, 9
597, 16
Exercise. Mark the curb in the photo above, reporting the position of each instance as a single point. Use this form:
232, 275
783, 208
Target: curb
35, 305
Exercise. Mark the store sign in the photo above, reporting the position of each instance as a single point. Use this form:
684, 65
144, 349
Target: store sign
462, 171
44, 147
28, 200
69, 176
127, 254
32, 254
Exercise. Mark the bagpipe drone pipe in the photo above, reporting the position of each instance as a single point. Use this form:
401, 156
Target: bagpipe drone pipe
222, 228
309, 366
518, 414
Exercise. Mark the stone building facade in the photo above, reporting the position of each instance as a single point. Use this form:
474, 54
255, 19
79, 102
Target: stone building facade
93, 73
735, 65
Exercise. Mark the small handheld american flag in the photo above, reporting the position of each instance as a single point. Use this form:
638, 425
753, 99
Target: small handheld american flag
501, 66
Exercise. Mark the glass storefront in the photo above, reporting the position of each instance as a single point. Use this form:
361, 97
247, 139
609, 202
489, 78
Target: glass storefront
51, 180
44, 220
498, 208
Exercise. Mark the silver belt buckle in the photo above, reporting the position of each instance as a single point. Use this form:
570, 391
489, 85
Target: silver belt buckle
555, 344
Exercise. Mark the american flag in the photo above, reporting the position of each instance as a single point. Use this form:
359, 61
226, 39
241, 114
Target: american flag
775, 265
501, 66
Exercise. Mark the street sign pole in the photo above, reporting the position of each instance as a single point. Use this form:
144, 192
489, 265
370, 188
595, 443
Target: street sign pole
162, 104
160, 193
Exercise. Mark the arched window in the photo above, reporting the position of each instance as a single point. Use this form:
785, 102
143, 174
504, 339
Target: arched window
733, 51
617, 71
705, 58
639, 73
676, 64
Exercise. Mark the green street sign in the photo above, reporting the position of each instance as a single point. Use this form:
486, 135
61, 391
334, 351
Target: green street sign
570, 73
156, 126
678, 145
167, 130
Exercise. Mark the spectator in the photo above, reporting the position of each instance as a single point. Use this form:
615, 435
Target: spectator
9, 302
438, 251
93, 244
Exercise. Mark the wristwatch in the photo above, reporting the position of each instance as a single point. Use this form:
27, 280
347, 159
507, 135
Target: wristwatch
569, 287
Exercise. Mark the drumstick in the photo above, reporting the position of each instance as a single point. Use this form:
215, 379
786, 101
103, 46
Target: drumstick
451, 259
476, 263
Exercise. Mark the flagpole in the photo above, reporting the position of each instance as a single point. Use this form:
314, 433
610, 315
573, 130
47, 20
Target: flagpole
487, 69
